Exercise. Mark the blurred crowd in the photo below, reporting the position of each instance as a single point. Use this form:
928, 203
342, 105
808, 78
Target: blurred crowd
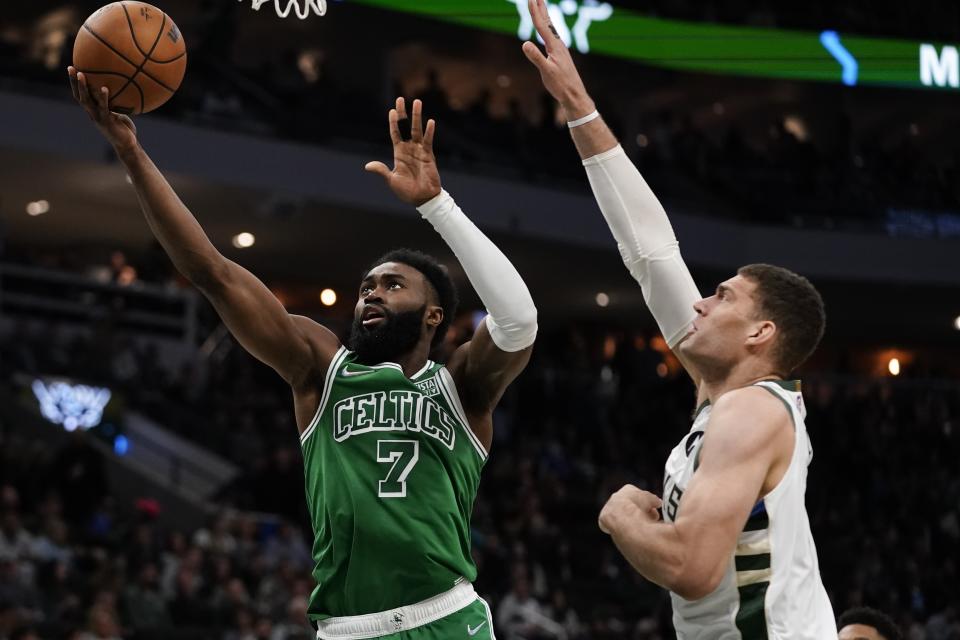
790, 173
96, 570
99, 265
591, 413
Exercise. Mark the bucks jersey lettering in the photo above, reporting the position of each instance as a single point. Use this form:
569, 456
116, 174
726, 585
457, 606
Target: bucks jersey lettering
391, 470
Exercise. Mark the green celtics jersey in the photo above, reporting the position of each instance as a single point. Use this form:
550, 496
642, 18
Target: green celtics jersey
392, 469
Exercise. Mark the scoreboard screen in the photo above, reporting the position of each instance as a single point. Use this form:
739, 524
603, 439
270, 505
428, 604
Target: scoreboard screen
597, 27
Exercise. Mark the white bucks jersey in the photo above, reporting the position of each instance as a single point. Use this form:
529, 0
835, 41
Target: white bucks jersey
772, 587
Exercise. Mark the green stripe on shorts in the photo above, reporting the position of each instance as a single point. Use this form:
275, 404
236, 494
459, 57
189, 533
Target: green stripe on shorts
751, 618
752, 563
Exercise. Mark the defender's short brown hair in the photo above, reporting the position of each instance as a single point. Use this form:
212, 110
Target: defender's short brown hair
794, 305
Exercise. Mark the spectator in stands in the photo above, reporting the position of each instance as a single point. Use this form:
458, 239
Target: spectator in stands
218, 538
288, 547
864, 623
15, 541
943, 625
103, 621
521, 617
22, 633
144, 605
117, 270
19, 600
295, 626
60, 598
52, 545
80, 478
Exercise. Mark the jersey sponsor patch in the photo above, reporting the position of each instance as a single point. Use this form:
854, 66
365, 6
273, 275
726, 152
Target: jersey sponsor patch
429, 387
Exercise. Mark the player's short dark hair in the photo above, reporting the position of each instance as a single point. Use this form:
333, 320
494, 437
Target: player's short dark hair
794, 305
435, 274
871, 618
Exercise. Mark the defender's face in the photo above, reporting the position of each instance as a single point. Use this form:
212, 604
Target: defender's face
723, 324
389, 289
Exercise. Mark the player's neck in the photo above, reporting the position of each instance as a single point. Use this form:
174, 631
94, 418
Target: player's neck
414, 360
742, 374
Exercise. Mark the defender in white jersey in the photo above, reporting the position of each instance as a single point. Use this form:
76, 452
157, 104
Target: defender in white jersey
771, 586
733, 545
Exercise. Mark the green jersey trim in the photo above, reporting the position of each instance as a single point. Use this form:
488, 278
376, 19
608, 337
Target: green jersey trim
449, 390
793, 419
699, 410
325, 397
394, 365
422, 371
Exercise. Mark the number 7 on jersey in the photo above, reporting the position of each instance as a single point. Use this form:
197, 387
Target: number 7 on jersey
404, 455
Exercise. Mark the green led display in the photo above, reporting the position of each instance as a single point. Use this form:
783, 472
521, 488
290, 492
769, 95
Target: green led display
593, 26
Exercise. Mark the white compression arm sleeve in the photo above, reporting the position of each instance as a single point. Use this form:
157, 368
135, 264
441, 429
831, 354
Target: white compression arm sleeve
646, 241
512, 319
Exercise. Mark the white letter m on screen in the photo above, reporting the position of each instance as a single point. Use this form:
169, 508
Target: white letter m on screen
941, 70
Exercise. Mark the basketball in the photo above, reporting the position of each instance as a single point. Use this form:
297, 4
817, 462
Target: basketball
136, 51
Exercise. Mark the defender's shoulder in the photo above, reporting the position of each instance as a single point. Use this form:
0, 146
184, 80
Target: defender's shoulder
755, 410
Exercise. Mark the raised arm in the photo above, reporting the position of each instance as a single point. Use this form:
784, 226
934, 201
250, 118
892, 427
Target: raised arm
745, 453
295, 347
638, 221
501, 346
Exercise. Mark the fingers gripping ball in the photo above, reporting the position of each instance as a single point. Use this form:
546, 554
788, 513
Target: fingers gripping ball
136, 51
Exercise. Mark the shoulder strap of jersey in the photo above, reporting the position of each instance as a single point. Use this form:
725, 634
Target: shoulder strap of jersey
338, 359
429, 369
788, 392
449, 390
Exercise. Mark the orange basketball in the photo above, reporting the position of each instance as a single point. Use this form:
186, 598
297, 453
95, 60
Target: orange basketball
136, 51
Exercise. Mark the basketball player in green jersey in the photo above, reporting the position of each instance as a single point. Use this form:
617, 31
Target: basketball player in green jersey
734, 545
393, 443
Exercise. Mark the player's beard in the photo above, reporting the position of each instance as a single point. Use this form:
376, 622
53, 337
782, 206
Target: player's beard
387, 341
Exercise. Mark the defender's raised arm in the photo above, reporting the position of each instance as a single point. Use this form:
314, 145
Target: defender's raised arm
638, 221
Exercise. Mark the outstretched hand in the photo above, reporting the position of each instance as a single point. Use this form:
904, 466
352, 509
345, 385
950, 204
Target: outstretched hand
415, 178
559, 74
118, 129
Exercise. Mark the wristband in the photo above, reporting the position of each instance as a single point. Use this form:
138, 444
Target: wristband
590, 117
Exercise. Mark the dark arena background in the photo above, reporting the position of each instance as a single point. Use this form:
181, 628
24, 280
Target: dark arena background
151, 481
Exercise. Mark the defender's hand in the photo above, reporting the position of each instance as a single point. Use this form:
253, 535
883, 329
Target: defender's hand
559, 74
414, 178
118, 129
626, 505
